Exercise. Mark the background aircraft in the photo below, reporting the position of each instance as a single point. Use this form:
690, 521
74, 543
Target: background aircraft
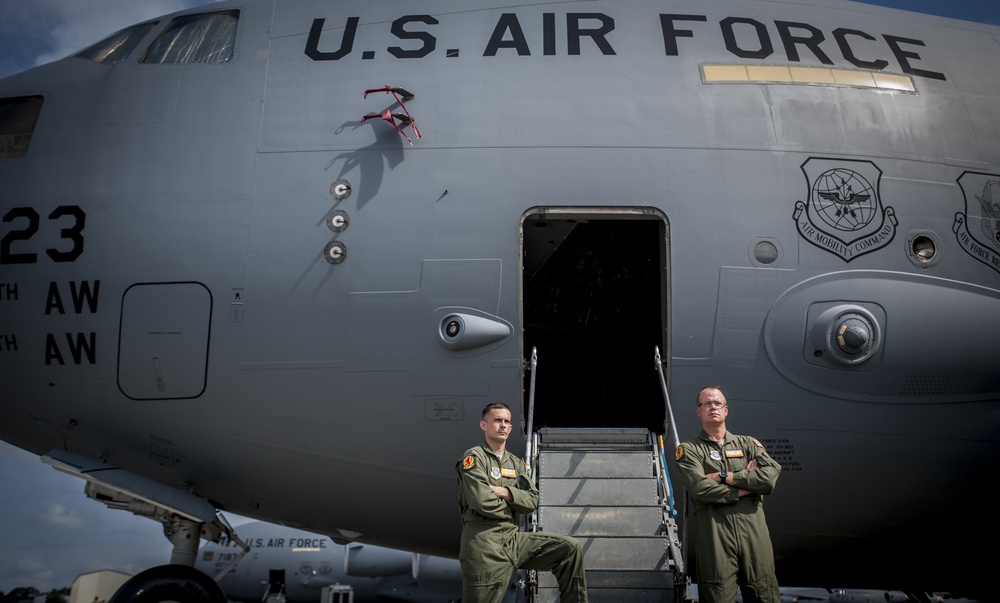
295, 566
222, 195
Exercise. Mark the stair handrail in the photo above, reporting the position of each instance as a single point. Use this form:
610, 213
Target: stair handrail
529, 523
668, 418
668, 422
667, 484
670, 513
528, 457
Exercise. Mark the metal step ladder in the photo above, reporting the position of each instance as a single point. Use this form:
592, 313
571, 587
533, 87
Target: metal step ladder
608, 488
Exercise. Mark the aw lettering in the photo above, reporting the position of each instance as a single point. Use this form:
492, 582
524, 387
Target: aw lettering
77, 298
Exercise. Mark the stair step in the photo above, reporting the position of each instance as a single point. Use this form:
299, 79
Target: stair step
631, 595
616, 579
597, 491
626, 553
599, 437
601, 521
565, 463
614, 595
616, 586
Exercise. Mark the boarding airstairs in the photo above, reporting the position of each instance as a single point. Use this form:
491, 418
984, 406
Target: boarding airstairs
609, 489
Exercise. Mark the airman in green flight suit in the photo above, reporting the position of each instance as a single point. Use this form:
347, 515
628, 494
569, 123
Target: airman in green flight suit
728, 475
493, 486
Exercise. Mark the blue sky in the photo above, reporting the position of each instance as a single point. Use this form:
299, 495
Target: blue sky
49, 531
981, 11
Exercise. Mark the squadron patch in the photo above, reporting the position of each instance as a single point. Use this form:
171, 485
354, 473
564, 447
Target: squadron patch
495, 472
679, 453
468, 462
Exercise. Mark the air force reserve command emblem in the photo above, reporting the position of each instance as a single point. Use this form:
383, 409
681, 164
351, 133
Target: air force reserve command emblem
843, 213
978, 228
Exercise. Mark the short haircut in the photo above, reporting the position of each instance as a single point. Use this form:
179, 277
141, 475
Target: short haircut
495, 406
698, 395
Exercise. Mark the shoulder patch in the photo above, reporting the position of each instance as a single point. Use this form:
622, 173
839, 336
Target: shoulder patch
468, 462
679, 453
756, 441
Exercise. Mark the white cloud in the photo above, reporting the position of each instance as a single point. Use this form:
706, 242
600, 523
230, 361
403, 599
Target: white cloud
60, 516
30, 564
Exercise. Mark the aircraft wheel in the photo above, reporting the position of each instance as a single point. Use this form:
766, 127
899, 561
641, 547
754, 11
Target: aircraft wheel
169, 584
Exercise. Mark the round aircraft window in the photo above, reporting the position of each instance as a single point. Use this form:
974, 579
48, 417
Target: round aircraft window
765, 252
922, 248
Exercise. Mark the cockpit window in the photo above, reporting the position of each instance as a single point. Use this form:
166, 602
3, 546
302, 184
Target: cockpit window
201, 38
18, 117
116, 47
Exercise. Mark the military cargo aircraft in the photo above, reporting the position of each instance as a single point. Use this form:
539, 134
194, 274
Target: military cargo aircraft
286, 565
274, 256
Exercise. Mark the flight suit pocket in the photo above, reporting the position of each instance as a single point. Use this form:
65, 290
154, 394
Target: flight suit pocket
483, 588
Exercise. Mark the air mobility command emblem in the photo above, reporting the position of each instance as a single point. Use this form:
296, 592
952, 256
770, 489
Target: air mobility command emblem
978, 228
468, 462
495, 472
843, 213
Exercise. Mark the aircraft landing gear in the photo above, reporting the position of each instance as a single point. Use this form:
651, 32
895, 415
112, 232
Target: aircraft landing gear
185, 535
186, 519
174, 583
180, 582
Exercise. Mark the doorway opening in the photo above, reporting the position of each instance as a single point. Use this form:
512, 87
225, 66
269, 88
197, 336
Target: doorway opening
275, 586
594, 292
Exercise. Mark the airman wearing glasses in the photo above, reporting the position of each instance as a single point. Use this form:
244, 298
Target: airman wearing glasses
727, 476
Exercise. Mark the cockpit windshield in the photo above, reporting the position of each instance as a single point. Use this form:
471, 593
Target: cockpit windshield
200, 38
118, 46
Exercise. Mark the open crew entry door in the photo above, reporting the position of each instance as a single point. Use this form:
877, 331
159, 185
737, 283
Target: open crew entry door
594, 302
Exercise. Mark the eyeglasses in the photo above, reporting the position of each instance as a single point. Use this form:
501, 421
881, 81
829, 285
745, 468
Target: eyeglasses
712, 404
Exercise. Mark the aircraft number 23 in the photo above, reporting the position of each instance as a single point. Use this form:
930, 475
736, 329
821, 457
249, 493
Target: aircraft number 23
11, 246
